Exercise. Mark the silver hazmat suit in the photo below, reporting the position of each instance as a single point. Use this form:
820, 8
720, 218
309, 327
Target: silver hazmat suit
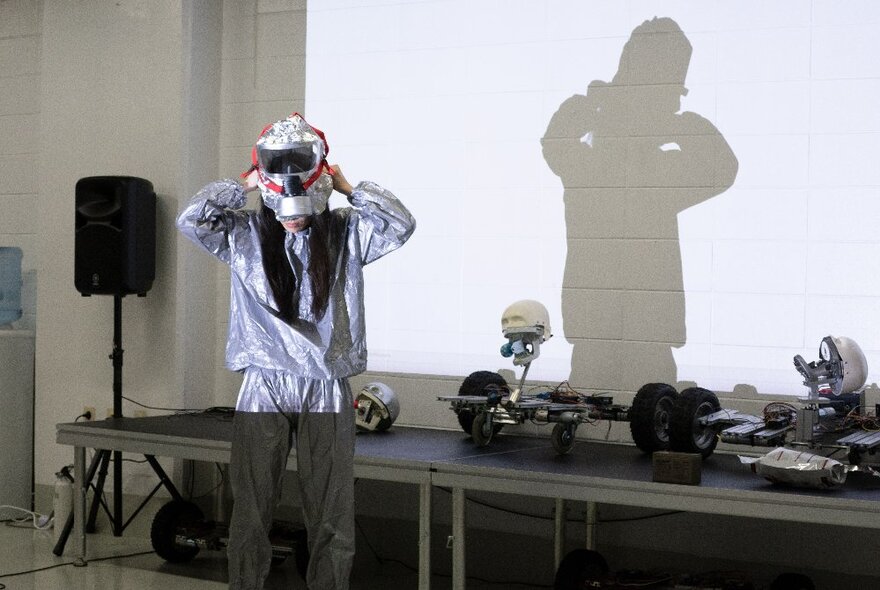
295, 383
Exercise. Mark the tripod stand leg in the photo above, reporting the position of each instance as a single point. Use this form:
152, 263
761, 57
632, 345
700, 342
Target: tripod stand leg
163, 478
117, 494
104, 457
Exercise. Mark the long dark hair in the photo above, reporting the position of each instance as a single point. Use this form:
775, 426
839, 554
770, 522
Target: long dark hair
323, 242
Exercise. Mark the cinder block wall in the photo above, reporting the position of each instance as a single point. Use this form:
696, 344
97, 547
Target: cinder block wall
20, 39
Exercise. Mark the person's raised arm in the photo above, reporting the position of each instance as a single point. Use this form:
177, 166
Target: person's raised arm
210, 217
383, 222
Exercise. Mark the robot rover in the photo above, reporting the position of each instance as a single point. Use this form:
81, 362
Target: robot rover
485, 402
833, 416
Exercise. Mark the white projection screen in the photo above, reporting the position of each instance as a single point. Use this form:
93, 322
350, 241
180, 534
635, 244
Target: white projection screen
446, 102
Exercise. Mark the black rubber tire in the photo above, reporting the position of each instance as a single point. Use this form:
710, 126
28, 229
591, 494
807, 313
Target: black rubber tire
283, 533
278, 560
577, 568
479, 383
649, 416
854, 457
685, 434
481, 431
169, 518
792, 581
563, 437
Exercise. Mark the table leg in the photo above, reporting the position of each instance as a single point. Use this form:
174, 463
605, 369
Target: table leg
425, 536
558, 533
592, 522
79, 503
458, 545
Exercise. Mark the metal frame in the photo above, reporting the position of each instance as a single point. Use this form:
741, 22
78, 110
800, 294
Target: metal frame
522, 468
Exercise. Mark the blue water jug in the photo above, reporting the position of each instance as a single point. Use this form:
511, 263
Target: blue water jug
10, 285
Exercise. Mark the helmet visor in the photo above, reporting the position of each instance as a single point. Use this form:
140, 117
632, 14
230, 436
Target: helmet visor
280, 160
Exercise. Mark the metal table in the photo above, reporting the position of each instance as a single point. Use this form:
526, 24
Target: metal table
596, 472
402, 454
592, 472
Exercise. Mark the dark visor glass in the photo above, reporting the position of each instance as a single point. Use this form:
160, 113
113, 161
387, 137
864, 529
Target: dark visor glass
287, 160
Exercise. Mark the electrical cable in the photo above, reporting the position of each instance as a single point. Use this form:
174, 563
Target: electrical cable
191, 490
221, 411
383, 560
137, 403
57, 565
542, 517
35, 517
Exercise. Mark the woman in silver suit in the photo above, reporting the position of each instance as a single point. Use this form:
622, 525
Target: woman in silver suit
296, 332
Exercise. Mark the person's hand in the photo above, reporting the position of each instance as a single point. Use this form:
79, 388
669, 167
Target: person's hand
340, 183
250, 181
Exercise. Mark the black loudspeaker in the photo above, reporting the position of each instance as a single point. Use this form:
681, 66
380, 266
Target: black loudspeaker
115, 240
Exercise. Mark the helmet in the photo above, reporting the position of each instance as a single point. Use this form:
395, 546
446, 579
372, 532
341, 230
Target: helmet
526, 315
376, 407
292, 170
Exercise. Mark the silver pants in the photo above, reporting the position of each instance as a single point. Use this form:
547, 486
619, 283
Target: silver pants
261, 443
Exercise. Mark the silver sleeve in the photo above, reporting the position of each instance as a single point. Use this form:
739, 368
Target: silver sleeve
209, 218
384, 223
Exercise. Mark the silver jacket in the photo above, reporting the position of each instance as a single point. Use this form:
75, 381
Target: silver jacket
331, 347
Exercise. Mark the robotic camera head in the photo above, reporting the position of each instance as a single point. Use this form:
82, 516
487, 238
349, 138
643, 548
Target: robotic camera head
841, 368
525, 324
376, 407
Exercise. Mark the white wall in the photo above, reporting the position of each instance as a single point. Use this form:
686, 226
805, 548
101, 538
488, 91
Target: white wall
19, 140
111, 105
713, 260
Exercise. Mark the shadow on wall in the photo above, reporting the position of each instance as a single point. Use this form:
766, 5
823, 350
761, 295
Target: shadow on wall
630, 161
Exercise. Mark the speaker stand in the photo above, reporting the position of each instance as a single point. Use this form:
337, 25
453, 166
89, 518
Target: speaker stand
101, 460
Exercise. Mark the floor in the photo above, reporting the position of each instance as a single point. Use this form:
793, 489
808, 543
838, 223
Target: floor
129, 563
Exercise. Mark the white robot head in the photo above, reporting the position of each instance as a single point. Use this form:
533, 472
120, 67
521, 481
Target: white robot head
525, 324
841, 368
853, 364
526, 316
376, 407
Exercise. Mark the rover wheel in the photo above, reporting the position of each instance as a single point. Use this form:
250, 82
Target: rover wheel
563, 437
483, 429
579, 567
480, 383
170, 518
792, 581
686, 434
292, 537
854, 457
649, 416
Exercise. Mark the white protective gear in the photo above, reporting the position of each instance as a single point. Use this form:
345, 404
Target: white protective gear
295, 384
261, 444
292, 171
330, 347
